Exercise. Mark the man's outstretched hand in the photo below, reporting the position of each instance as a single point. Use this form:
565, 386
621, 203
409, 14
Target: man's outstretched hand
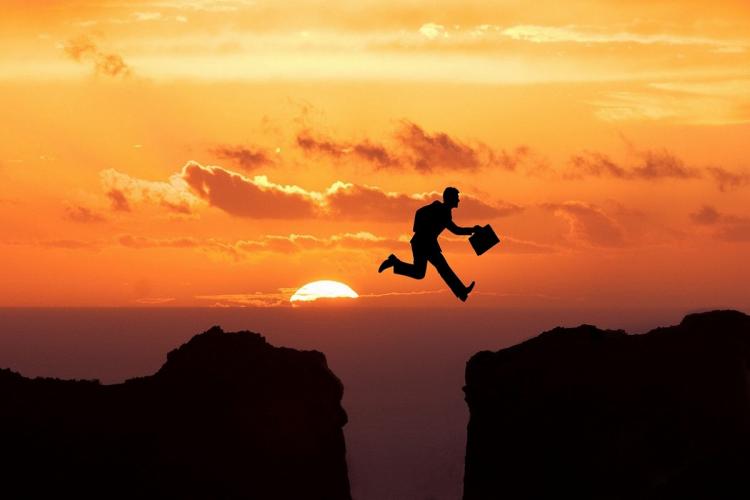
476, 229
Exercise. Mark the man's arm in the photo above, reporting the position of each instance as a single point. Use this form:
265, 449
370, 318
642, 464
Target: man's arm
453, 228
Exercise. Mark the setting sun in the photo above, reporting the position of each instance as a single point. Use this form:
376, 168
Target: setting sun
324, 289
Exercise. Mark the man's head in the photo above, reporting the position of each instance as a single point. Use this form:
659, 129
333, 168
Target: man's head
450, 197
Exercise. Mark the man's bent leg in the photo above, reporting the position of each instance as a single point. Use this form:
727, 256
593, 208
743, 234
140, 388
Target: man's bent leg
445, 271
416, 270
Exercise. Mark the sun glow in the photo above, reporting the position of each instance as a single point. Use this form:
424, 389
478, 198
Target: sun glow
323, 289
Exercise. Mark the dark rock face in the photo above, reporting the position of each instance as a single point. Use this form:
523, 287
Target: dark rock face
585, 413
227, 417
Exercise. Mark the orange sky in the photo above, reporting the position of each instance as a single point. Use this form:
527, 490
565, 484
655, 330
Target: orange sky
227, 152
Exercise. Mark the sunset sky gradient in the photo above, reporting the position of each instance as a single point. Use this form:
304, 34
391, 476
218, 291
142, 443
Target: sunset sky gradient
225, 153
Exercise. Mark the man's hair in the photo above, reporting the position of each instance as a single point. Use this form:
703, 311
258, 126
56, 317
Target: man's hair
450, 192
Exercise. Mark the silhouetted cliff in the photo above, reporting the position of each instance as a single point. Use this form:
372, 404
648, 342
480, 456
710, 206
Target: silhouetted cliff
228, 416
587, 413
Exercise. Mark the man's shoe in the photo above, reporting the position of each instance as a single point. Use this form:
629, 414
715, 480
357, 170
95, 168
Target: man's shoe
467, 291
387, 263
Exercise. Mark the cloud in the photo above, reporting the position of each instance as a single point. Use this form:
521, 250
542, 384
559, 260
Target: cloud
307, 142
283, 244
123, 191
375, 154
350, 201
472, 207
727, 180
79, 47
154, 300
281, 298
515, 245
135, 17
508, 245
737, 230
439, 150
707, 216
77, 213
258, 197
69, 244
144, 242
362, 241
588, 224
432, 30
84, 50
650, 165
118, 200
574, 34
205, 5
147, 16
413, 147
245, 197
511, 160
255, 299
248, 159
294, 243
139, 242
726, 227
708, 102
647, 165
402, 294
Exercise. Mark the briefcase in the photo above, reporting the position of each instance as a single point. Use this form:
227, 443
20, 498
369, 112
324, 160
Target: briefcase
484, 239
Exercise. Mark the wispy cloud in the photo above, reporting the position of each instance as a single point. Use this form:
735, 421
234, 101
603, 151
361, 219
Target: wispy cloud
84, 50
432, 30
204, 5
650, 164
210, 245
289, 244
509, 245
282, 296
401, 294
147, 16
726, 227
647, 165
69, 244
247, 158
283, 244
706, 216
727, 180
588, 224
154, 301
580, 34
439, 150
84, 215
413, 147
367, 151
711, 102
253, 299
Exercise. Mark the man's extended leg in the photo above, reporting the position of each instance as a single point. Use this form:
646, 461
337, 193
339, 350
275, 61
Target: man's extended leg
445, 271
416, 270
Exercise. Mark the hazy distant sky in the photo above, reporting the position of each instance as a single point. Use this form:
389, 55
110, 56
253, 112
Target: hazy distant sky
227, 152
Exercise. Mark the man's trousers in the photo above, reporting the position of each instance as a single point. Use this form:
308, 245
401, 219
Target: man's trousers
418, 269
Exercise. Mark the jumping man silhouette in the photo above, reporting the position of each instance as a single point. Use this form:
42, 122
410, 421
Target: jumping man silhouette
429, 222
